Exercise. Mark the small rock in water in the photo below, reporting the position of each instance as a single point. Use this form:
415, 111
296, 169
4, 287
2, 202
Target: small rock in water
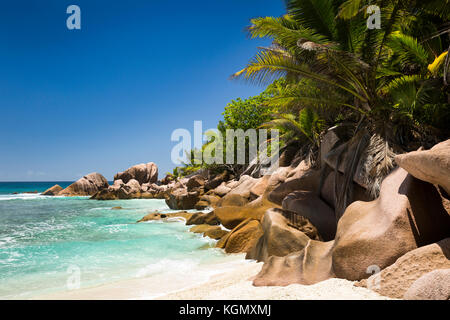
116, 208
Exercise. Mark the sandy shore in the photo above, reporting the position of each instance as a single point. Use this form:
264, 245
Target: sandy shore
237, 286
233, 284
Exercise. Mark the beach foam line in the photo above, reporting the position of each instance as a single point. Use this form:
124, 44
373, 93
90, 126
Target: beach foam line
165, 277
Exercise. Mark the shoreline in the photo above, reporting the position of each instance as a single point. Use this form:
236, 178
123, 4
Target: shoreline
232, 284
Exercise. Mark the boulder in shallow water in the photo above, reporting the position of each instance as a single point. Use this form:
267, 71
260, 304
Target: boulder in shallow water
231, 217
215, 233
86, 186
203, 218
53, 191
166, 216
182, 199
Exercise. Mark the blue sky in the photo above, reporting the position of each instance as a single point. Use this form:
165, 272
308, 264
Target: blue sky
108, 96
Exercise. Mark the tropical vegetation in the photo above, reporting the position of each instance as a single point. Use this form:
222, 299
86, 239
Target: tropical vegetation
386, 90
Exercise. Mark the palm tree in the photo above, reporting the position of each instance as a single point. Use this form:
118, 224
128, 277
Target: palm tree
383, 83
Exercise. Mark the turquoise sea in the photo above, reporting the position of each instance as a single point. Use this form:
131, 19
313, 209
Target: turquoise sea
44, 240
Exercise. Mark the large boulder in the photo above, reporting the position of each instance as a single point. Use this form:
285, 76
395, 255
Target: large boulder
143, 173
327, 191
310, 206
195, 182
286, 180
408, 214
308, 266
242, 238
157, 191
202, 228
395, 280
133, 186
86, 186
129, 190
53, 191
235, 200
222, 190
182, 199
216, 181
203, 218
215, 233
207, 201
279, 237
230, 217
156, 216
106, 194
431, 165
434, 285
259, 187
242, 188
329, 140
344, 152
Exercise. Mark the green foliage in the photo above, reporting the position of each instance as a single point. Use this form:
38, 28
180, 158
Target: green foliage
250, 113
306, 127
387, 85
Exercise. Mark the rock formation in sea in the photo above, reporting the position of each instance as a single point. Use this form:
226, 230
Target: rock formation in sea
53, 191
137, 182
86, 186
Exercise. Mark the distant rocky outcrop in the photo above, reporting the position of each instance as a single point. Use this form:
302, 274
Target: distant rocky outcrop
53, 191
182, 199
142, 173
86, 186
137, 182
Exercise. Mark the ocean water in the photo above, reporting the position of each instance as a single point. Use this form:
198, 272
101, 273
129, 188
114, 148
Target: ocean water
47, 243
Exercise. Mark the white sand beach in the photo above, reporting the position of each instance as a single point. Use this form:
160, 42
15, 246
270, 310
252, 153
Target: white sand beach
233, 284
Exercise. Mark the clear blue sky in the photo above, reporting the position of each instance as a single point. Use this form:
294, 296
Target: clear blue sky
109, 95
